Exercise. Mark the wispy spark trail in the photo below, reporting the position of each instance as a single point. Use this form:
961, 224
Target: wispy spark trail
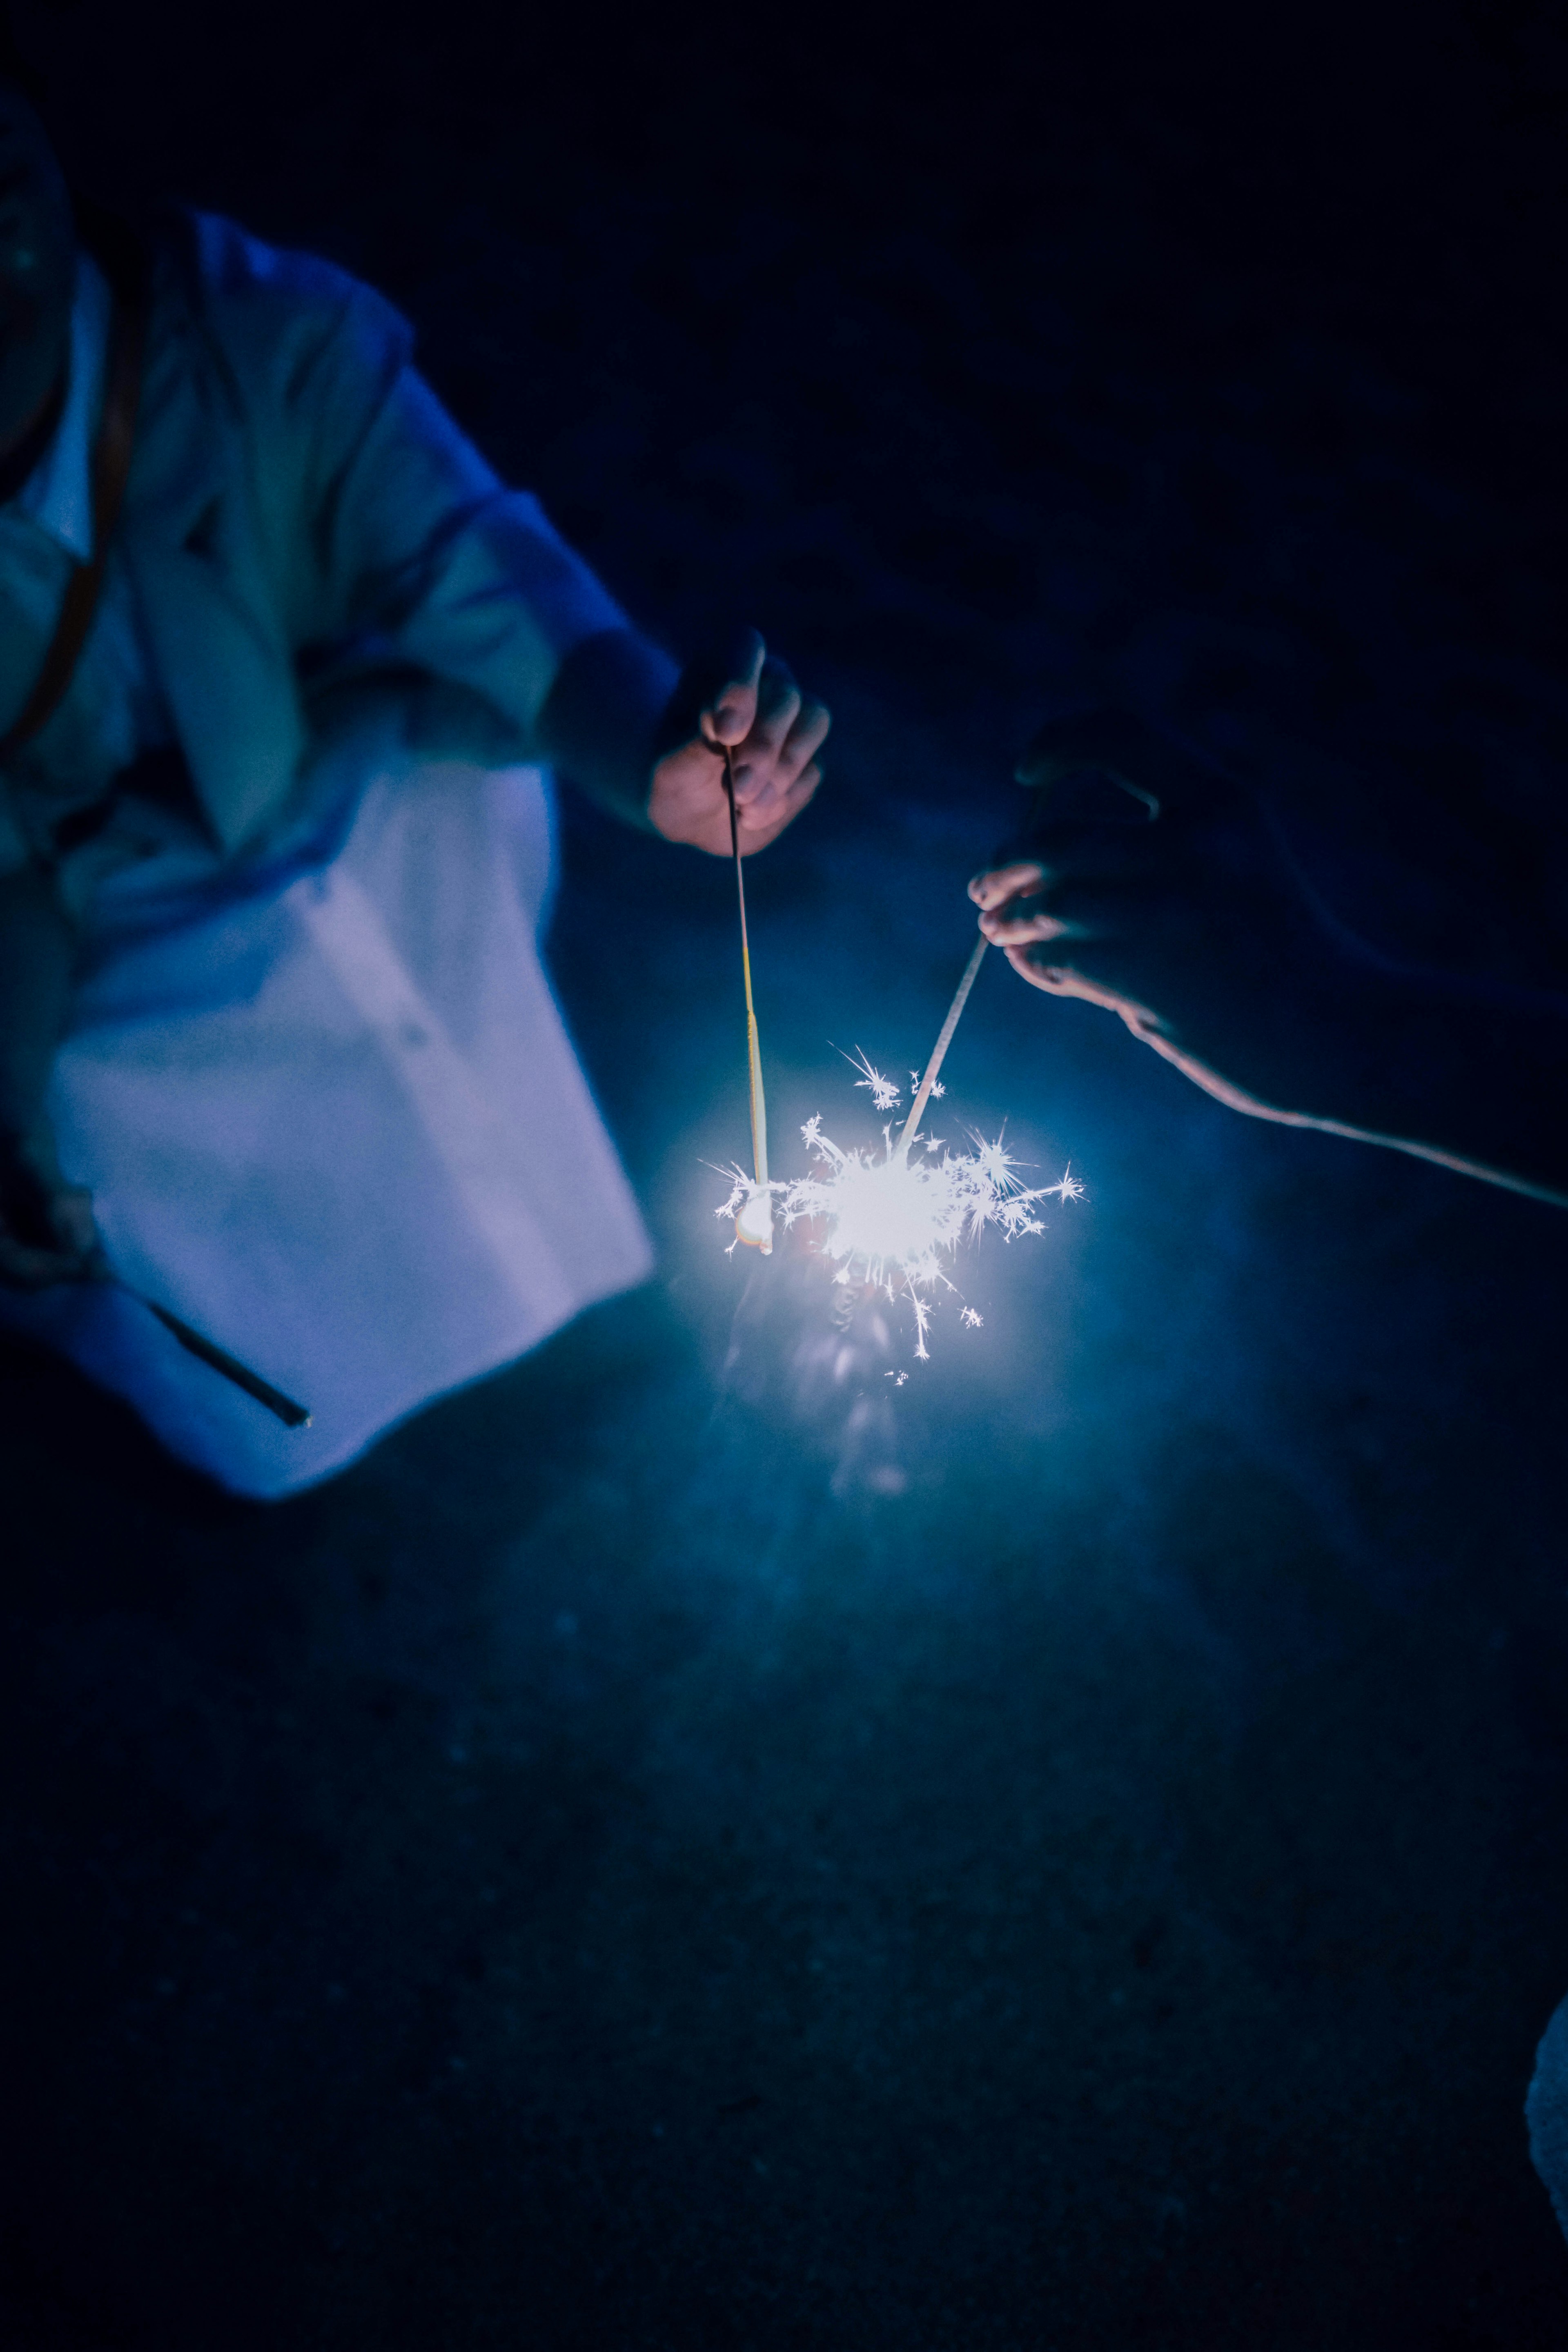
884, 1093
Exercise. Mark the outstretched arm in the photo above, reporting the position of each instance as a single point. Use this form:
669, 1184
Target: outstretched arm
1173, 900
416, 547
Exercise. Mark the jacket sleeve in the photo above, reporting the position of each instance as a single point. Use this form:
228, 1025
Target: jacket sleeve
398, 543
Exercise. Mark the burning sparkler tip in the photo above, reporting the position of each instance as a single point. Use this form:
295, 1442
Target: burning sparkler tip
754, 1219
889, 1224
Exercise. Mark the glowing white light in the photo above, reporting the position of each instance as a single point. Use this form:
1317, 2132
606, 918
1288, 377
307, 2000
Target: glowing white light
754, 1219
896, 1220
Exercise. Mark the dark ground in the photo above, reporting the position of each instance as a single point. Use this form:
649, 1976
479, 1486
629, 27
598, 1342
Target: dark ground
574, 1881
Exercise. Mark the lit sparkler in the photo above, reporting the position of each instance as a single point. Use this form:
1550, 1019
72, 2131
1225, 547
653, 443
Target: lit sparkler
753, 1207
895, 1220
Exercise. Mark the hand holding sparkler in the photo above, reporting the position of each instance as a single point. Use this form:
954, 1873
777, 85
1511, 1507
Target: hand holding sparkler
748, 705
732, 786
1156, 887
754, 1222
1182, 901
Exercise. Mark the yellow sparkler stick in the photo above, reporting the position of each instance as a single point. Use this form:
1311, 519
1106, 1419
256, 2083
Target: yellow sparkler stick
758, 1239
917, 1106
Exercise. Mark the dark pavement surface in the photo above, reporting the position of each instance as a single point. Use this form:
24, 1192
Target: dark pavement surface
591, 1875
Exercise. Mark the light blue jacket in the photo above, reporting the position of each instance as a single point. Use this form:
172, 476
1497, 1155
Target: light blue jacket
299, 502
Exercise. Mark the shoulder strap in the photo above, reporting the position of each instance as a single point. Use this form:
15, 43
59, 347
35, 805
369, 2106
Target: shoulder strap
110, 466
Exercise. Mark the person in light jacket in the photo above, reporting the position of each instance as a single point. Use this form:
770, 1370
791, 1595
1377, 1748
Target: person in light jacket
283, 668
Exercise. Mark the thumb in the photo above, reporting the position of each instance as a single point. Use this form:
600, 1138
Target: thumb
729, 716
716, 694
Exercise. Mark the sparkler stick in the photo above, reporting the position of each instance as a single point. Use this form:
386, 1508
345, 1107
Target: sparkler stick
761, 1232
917, 1107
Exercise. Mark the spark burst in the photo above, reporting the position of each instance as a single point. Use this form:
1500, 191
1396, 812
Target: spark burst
895, 1220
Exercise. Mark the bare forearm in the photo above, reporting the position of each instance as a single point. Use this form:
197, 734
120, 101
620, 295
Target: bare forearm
1484, 1088
1481, 1087
1174, 896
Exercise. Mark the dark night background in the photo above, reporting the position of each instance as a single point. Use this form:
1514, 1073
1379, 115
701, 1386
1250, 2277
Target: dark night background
578, 1879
